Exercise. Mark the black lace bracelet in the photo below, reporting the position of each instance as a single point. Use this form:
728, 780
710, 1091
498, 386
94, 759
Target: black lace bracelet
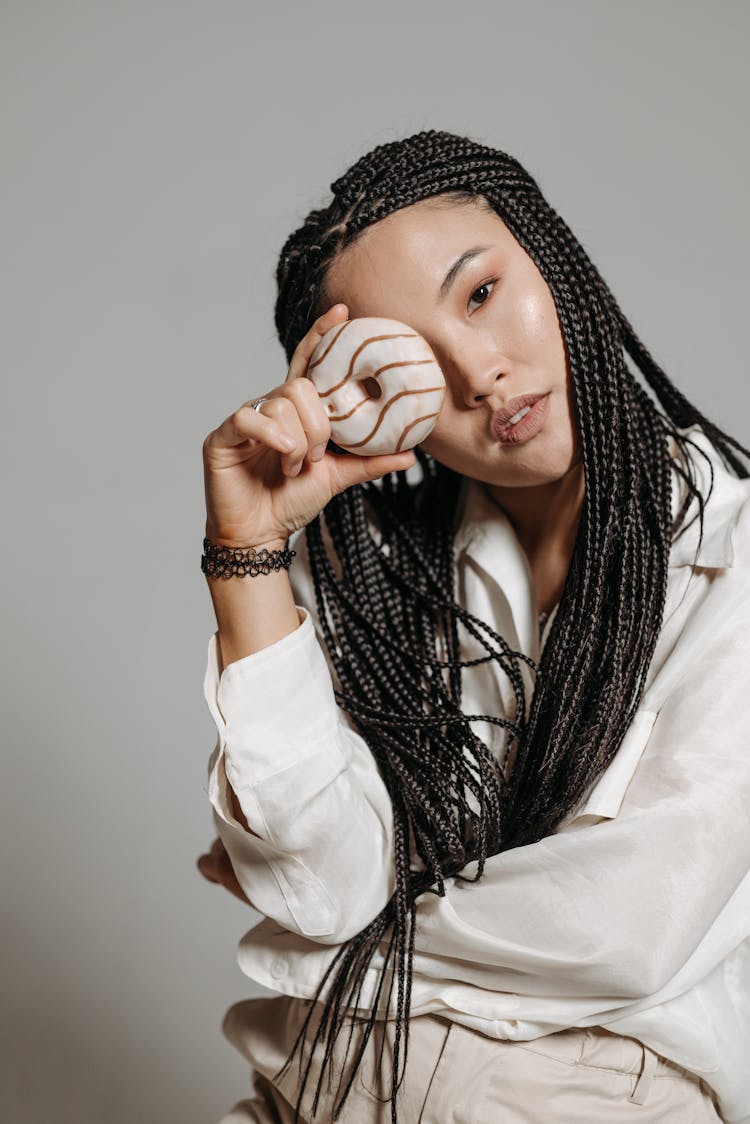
241, 561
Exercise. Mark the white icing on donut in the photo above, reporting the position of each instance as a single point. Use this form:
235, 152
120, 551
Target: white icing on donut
380, 382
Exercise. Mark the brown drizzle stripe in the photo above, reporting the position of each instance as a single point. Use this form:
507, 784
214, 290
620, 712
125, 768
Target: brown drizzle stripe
343, 417
383, 412
368, 398
411, 425
401, 363
322, 357
359, 350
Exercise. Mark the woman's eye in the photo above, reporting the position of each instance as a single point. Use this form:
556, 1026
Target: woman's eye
482, 289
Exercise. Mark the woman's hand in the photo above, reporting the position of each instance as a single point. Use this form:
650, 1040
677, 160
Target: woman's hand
216, 867
267, 472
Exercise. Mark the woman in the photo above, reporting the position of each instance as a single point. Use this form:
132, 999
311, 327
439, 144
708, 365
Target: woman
481, 759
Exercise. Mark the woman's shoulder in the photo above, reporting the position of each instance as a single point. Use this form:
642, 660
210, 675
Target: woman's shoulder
725, 540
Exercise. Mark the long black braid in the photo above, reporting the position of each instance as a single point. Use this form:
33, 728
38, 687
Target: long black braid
386, 598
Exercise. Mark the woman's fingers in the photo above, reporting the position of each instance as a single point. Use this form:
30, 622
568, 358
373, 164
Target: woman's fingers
215, 866
207, 866
246, 424
347, 471
312, 415
301, 390
208, 863
292, 420
337, 314
283, 410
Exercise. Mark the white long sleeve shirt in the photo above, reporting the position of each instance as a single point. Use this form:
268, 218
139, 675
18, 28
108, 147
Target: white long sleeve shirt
633, 915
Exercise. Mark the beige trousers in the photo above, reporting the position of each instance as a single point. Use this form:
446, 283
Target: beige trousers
458, 1076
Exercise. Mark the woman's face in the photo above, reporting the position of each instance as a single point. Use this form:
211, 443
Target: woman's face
490, 321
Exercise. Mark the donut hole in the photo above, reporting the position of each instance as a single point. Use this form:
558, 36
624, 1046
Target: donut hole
372, 388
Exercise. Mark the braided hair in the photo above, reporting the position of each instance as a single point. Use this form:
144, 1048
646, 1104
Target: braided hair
386, 599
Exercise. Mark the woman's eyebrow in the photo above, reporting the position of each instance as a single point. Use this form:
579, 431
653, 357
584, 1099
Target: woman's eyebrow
459, 263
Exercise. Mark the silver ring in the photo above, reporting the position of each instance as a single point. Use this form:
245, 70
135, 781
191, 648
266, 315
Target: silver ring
256, 405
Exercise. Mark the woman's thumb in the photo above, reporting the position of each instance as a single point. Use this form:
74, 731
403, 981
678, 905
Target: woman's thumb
351, 469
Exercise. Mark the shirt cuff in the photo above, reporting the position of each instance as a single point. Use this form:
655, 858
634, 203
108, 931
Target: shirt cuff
215, 678
273, 707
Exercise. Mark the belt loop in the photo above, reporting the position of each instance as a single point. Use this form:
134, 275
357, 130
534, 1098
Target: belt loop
643, 1084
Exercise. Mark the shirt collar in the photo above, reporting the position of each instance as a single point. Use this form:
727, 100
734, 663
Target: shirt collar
486, 536
720, 514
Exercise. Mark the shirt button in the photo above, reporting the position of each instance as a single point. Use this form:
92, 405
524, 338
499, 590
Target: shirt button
278, 968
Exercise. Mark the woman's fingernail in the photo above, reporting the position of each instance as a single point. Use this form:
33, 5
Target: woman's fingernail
318, 452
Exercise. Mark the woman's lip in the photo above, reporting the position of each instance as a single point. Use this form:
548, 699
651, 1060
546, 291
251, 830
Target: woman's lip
530, 423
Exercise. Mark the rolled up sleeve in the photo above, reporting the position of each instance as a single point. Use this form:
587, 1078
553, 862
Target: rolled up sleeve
319, 856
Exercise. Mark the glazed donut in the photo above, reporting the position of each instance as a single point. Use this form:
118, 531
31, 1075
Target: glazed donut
380, 382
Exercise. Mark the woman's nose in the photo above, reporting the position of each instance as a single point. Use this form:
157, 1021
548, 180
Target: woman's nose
472, 377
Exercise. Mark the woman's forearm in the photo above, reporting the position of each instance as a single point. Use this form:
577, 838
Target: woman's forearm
252, 612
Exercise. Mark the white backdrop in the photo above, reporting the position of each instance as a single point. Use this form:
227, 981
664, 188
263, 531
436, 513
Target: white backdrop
156, 155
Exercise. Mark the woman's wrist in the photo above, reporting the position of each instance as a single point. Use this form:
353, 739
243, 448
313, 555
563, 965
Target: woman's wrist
244, 562
251, 593
252, 613
242, 542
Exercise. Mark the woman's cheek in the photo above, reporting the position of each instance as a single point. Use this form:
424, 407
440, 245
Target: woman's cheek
531, 318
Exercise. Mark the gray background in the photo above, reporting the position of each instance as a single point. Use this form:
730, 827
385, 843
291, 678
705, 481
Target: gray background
155, 157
